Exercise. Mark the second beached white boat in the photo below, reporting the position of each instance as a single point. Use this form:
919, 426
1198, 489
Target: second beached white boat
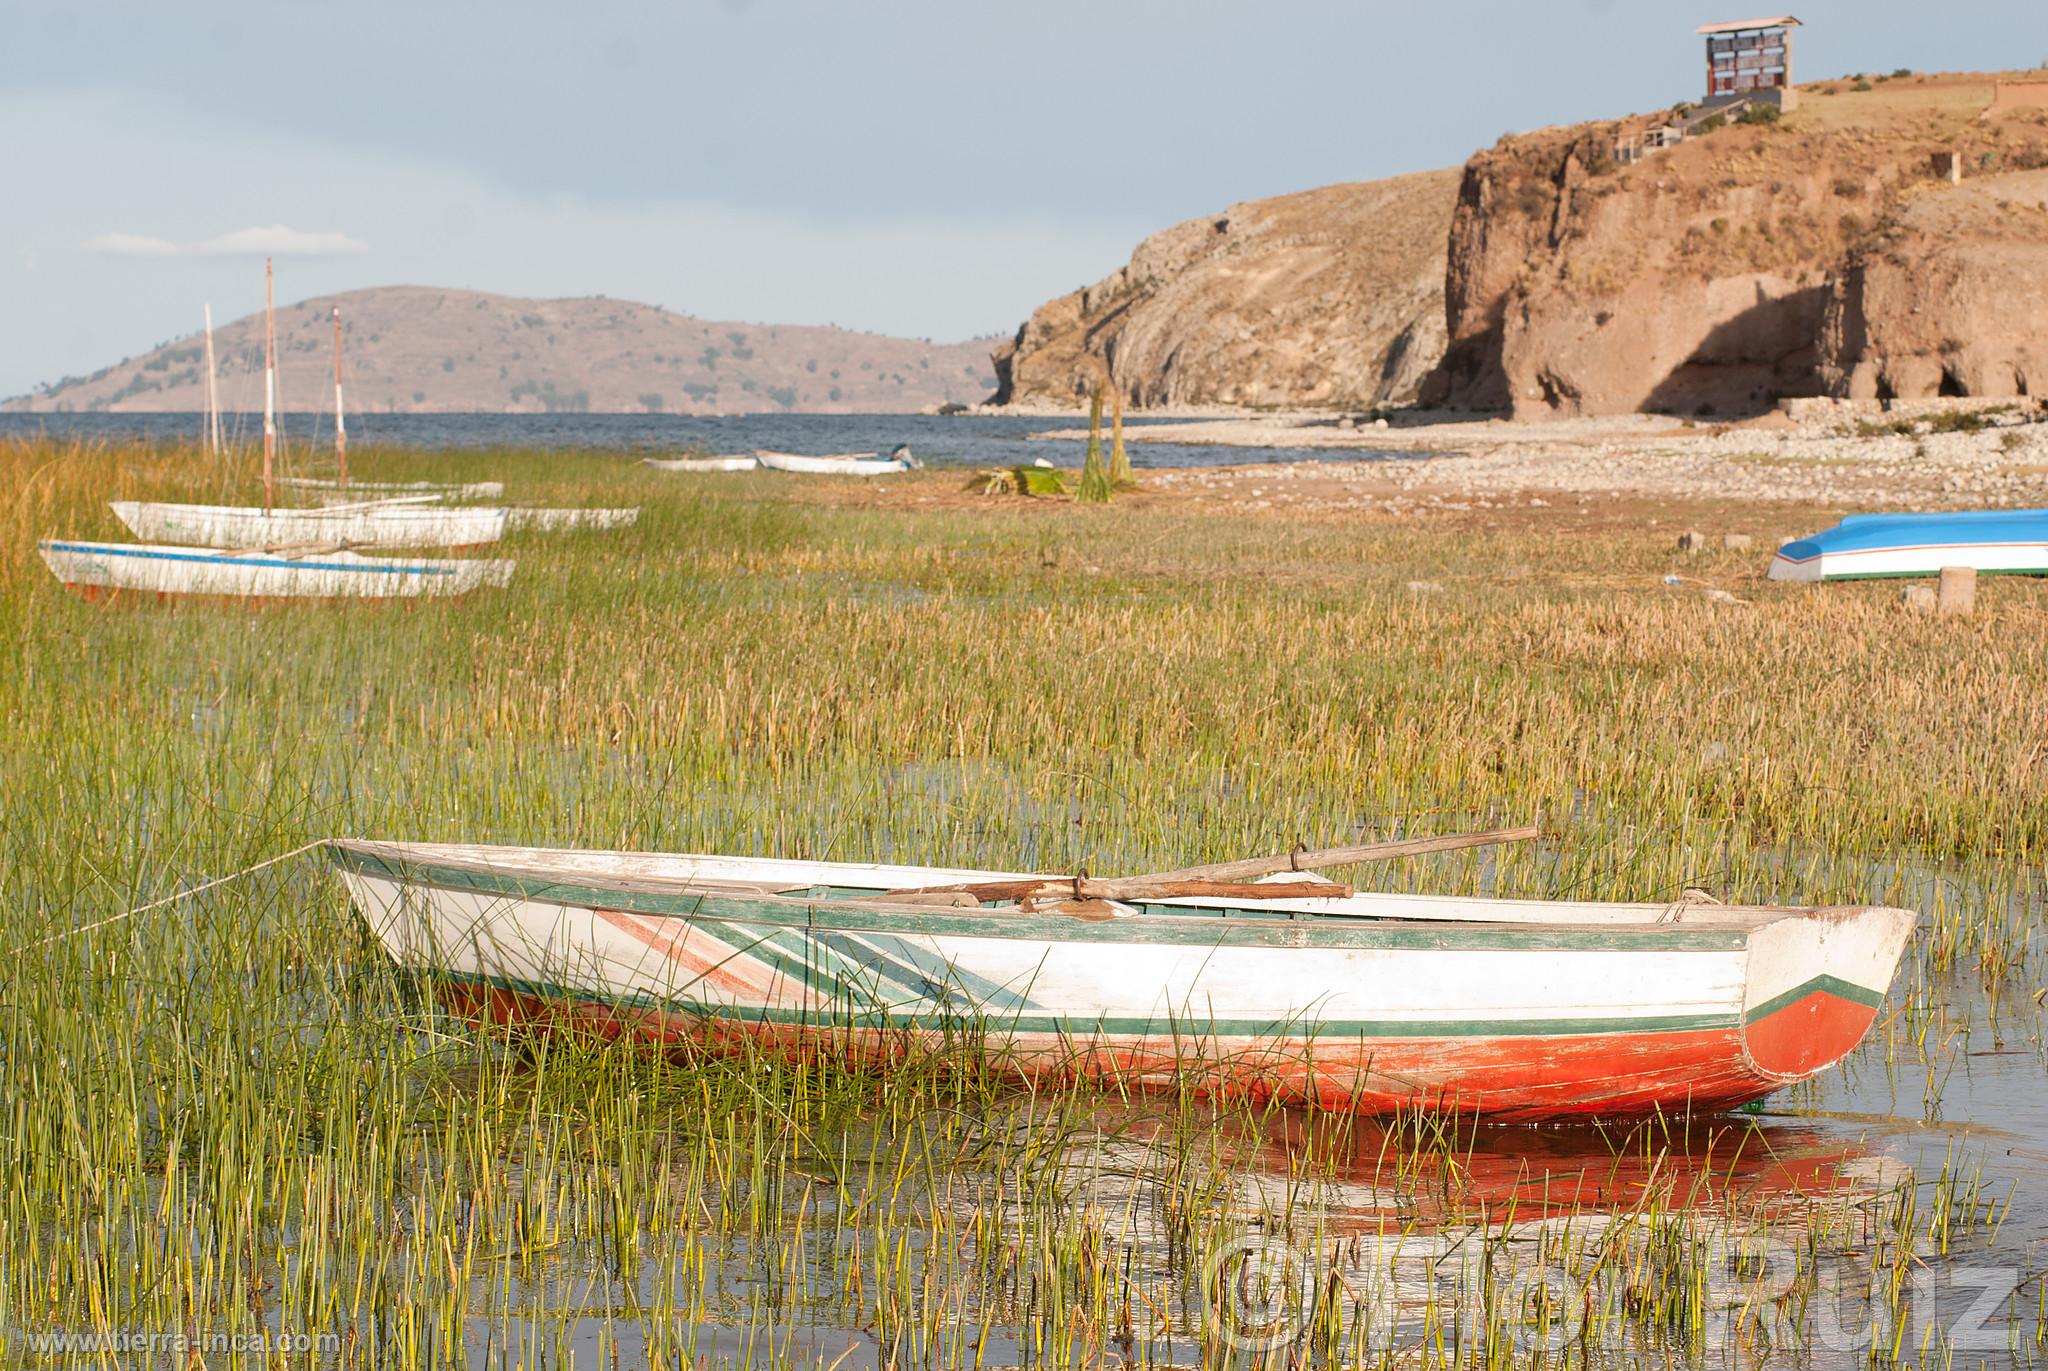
248, 526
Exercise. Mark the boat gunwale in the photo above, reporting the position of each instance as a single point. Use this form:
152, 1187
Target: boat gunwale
426, 865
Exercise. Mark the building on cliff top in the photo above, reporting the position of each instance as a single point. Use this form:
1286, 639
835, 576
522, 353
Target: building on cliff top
1749, 61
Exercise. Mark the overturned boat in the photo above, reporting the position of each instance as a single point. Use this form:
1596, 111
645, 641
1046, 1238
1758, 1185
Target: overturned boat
897, 458
2011, 541
1295, 989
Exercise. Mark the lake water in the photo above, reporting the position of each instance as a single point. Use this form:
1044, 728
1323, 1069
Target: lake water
963, 440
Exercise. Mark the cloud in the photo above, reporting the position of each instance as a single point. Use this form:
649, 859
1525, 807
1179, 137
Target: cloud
276, 240
131, 245
272, 240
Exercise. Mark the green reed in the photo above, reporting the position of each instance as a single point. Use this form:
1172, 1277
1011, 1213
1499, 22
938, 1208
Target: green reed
230, 1114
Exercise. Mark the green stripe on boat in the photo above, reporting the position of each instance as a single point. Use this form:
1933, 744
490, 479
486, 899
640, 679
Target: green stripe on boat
1161, 925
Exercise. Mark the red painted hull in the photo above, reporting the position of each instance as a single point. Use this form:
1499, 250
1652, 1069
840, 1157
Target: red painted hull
1507, 1078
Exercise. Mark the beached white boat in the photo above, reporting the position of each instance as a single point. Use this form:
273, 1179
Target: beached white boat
839, 464
701, 463
95, 569
240, 526
562, 520
366, 490
1370, 1002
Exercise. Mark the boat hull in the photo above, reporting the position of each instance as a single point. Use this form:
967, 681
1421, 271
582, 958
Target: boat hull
95, 569
468, 490
564, 520
1356, 1003
701, 463
831, 466
1870, 546
236, 526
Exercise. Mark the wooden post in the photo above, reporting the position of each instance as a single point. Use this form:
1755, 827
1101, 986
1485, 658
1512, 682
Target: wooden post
1956, 593
212, 389
340, 424
269, 384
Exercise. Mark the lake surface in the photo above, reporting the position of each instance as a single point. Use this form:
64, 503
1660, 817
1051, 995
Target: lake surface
963, 440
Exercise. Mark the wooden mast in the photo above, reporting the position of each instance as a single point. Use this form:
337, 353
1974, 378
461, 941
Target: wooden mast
212, 389
269, 385
340, 424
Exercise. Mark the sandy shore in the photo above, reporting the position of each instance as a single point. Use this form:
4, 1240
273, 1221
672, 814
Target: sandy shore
1822, 459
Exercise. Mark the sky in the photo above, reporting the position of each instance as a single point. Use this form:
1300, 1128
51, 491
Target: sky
913, 167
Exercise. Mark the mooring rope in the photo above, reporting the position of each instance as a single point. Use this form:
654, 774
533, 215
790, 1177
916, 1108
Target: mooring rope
199, 889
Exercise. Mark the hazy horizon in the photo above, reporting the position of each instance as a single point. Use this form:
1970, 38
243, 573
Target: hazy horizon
925, 172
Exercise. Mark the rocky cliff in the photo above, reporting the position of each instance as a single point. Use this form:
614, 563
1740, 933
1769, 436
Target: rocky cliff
1950, 299
420, 348
1328, 297
1818, 254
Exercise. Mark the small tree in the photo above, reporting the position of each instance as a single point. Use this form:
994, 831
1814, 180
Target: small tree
1095, 486
1121, 477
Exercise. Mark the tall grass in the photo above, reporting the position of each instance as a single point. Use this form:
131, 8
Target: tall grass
230, 1114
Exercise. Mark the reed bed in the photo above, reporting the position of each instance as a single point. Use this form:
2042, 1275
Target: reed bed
229, 1117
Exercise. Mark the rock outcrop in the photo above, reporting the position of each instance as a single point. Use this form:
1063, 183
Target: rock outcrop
1330, 297
1749, 263
1952, 300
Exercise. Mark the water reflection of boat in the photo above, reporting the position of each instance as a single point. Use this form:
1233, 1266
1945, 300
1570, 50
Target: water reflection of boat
1416, 1173
1369, 1003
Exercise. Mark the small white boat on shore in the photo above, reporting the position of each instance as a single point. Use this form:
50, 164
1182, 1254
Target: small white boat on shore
741, 463
320, 572
471, 490
563, 520
249, 526
840, 464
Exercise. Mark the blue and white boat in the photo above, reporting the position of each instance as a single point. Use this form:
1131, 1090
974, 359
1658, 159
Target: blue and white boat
2010, 541
317, 572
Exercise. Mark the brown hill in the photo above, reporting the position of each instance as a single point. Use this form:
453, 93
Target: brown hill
1820, 254
1327, 297
417, 348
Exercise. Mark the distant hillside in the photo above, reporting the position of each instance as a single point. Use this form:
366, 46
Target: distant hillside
413, 349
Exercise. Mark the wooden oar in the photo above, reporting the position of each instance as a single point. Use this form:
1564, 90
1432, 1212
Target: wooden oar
1227, 880
1304, 860
296, 549
1086, 887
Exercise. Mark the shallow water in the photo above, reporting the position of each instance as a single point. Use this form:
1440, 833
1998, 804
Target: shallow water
962, 440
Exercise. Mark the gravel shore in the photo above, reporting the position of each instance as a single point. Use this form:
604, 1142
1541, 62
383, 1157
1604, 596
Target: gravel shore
1826, 458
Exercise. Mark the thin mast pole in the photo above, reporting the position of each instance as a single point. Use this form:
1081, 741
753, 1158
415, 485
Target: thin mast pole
212, 389
340, 424
269, 383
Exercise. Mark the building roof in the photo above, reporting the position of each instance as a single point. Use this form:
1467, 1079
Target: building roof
1783, 21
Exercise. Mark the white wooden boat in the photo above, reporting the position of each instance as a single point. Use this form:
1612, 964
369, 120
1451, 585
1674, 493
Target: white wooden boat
839, 464
562, 520
468, 490
701, 463
1865, 546
1369, 1002
96, 569
240, 526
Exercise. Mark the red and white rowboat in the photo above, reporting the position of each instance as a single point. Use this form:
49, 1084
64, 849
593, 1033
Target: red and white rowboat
1512, 1008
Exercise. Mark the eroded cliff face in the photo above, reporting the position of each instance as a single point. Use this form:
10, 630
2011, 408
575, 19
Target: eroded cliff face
1747, 264
1950, 300
1331, 297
